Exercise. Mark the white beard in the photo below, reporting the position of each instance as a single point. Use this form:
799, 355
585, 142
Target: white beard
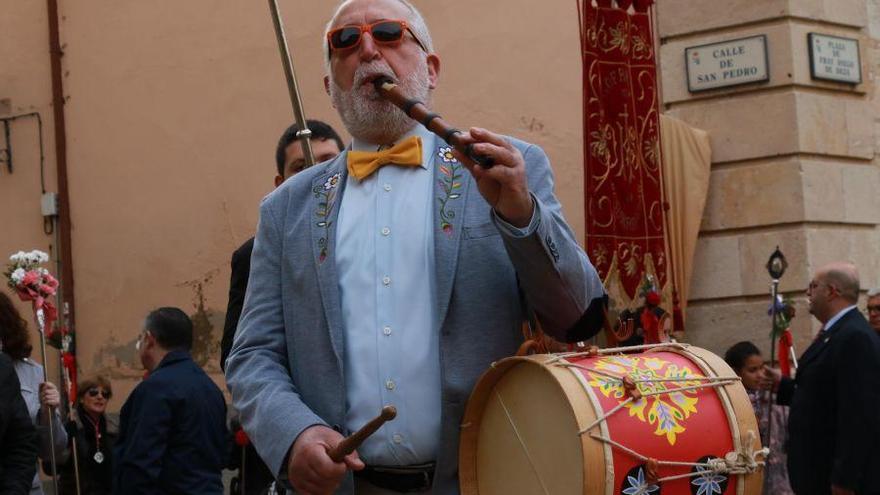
368, 116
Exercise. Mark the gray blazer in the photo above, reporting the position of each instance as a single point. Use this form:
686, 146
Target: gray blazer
285, 368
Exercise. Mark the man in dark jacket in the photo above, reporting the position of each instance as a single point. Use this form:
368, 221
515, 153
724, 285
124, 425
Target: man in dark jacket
172, 436
18, 438
833, 432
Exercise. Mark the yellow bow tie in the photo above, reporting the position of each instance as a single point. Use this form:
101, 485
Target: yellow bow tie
407, 153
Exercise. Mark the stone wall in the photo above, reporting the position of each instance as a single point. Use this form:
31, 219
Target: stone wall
793, 160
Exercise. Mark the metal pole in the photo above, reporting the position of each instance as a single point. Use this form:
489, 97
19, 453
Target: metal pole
774, 294
75, 462
8, 145
49, 412
304, 133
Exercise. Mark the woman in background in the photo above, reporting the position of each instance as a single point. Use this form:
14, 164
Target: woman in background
39, 396
93, 434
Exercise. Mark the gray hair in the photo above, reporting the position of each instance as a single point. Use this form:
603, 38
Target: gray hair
415, 21
874, 292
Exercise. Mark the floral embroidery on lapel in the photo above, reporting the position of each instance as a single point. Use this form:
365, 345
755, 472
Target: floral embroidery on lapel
325, 194
450, 183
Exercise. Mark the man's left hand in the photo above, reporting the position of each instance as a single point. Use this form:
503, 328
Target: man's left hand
504, 186
836, 490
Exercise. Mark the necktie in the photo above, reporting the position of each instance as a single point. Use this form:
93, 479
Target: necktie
406, 153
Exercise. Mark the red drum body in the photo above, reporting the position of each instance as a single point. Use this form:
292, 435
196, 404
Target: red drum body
681, 423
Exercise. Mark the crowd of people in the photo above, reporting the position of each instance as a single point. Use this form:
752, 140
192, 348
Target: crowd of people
362, 287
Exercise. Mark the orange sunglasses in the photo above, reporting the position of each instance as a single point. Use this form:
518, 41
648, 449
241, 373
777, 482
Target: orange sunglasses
383, 32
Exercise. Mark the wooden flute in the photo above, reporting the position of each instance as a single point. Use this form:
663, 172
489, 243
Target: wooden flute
417, 111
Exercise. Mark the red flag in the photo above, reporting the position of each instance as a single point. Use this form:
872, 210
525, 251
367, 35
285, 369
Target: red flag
784, 352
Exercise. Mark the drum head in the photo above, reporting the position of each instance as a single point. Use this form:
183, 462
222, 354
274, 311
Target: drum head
527, 440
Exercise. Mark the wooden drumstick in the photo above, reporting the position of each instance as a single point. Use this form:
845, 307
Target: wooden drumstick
350, 443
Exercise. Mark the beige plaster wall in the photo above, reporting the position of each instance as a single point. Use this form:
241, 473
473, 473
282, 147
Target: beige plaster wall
173, 113
25, 87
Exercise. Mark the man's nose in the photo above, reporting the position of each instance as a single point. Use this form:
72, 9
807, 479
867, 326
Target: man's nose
368, 50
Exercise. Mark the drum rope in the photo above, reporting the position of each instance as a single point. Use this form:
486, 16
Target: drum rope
522, 443
617, 350
650, 380
649, 394
745, 462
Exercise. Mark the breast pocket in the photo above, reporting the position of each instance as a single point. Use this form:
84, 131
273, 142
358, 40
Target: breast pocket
480, 231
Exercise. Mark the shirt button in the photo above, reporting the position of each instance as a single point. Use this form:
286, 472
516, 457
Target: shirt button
390, 384
386, 231
397, 437
386, 330
386, 281
387, 187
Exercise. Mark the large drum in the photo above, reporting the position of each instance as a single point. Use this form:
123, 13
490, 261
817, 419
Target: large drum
673, 419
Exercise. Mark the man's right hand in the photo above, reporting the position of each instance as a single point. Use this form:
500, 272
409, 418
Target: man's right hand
771, 378
310, 469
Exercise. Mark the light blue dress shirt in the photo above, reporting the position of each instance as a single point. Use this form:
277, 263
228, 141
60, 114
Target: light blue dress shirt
834, 319
387, 282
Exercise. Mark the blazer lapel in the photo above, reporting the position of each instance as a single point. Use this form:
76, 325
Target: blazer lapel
327, 190
821, 343
814, 350
451, 188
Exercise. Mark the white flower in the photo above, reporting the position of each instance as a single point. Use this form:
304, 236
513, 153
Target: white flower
18, 257
332, 182
40, 256
445, 154
17, 275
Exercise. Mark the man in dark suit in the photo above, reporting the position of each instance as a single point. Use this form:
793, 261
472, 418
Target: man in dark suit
172, 435
289, 160
833, 432
18, 438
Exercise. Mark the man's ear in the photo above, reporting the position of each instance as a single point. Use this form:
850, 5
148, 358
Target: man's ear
278, 180
327, 84
433, 61
150, 340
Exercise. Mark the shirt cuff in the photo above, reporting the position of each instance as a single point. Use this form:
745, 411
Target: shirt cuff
513, 231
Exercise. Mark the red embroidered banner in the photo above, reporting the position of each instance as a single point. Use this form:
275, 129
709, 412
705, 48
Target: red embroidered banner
622, 176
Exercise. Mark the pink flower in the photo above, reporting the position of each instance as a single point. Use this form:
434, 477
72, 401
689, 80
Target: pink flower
50, 281
30, 278
46, 290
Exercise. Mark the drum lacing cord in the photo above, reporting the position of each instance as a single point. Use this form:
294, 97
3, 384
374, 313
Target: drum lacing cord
593, 351
743, 462
650, 380
636, 394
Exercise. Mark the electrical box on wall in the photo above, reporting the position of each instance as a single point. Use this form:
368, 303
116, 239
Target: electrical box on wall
49, 204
